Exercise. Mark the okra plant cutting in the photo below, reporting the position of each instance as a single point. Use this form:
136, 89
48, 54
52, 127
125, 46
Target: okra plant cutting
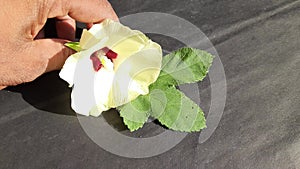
116, 67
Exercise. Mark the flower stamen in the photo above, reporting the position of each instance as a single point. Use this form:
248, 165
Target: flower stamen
109, 53
96, 62
103, 58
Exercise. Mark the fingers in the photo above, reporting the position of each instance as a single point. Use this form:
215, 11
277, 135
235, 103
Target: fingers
89, 25
65, 27
91, 11
40, 35
50, 54
53, 51
88, 11
2, 87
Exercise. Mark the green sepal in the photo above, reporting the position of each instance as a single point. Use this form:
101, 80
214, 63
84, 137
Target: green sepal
74, 45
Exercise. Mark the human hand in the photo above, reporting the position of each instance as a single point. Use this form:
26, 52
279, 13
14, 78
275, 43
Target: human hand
24, 56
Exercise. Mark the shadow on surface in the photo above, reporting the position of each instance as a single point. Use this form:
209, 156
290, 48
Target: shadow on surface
48, 93
51, 94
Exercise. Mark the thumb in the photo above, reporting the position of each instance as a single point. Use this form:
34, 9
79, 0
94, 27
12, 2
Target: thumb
52, 51
31, 60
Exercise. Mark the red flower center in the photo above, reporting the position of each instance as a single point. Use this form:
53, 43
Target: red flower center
109, 53
104, 51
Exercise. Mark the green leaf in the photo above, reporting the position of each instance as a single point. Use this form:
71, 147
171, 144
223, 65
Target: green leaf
74, 45
136, 112
132, 126
163, 81
164, 102
176, 111
186, 65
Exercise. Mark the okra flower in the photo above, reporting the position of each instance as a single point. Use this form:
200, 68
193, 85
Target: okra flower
113, 67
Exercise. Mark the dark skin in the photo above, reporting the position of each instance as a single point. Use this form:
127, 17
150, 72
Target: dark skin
25, 54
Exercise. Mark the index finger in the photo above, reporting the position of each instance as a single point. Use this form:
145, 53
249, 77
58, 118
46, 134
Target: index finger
86, 11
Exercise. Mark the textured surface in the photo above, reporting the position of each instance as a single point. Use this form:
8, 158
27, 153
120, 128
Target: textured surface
258, 44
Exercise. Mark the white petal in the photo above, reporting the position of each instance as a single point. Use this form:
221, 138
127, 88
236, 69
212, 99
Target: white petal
78, 70
102, 85
67, 73
134, 75
83, 92
107, 64
90, 37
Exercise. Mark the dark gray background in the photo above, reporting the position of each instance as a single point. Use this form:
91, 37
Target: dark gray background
258, 43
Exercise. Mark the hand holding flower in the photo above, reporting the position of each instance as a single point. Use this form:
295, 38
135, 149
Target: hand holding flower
24, 55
